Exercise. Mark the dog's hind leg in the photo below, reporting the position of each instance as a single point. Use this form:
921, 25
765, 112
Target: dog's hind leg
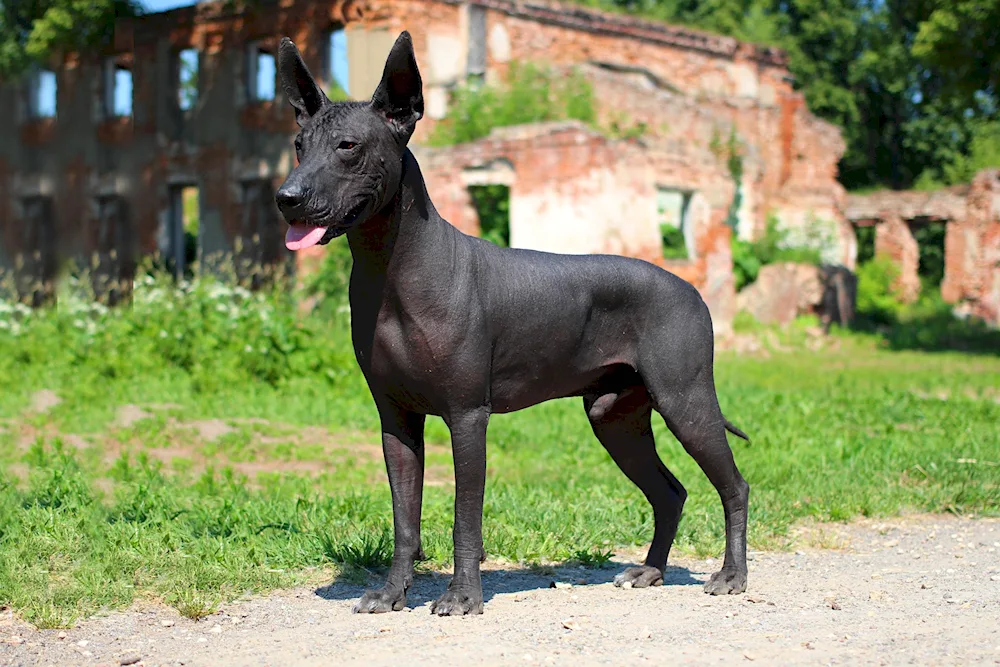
403, 447
621, 421
691, 411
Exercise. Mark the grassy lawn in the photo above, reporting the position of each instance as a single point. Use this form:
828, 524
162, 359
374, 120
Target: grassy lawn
200, 450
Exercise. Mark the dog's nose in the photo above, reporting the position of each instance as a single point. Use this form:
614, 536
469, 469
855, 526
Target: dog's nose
289, 197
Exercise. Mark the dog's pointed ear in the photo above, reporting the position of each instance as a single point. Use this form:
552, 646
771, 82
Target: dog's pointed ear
299, 85
399, 98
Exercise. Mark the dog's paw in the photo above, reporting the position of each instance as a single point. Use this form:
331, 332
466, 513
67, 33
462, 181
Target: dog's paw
380, 601
639, 577
727, 581
458, 602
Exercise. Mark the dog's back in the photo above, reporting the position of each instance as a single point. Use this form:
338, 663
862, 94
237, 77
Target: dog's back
570, 318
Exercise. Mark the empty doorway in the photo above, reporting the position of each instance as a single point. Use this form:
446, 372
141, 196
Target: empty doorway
181, 250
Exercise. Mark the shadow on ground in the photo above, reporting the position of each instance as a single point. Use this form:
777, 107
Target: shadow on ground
428, 586
931, 329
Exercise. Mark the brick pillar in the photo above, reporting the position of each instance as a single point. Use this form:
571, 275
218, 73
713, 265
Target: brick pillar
894, 239
972, 252
956, 261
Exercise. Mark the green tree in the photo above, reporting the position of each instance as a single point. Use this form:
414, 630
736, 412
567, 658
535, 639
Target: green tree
961, 38
31, 30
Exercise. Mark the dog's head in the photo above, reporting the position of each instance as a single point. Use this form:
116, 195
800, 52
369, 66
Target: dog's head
350, 154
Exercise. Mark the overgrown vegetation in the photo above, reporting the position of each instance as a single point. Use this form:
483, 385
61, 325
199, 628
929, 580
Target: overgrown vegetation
771, 247
927, 324
876, 296
157, 507
532, 93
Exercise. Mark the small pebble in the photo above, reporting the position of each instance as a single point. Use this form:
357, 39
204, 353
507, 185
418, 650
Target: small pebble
168, 623
129, 659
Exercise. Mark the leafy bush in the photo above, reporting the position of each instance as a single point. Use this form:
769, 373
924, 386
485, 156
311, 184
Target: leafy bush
746, 263
215, 334
772, 247
531, 94
876, 297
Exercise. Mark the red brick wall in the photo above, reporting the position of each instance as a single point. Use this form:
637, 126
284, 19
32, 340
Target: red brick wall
972, 252
561, 191
894, 239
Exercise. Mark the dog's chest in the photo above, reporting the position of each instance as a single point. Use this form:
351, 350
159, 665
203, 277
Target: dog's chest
409, 361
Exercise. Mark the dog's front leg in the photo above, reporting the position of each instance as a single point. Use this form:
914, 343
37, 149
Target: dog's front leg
468, 442
403, 447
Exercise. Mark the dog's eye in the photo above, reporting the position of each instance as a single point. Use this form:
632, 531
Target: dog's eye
346, 145
298, 145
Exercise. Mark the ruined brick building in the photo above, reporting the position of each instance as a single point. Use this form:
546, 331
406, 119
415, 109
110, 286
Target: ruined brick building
971, 243
101, 175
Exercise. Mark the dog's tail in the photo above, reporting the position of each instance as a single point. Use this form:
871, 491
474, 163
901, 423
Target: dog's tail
735, 431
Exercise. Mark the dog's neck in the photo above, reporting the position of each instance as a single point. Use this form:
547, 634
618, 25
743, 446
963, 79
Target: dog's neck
406, 228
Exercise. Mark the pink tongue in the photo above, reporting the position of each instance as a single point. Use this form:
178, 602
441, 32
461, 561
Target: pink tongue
299, 237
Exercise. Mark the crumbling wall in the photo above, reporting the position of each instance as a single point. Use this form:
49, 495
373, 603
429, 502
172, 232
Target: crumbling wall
972, 252
972, 239
788, 159
939, 205
575, 191
691, 89
61, 166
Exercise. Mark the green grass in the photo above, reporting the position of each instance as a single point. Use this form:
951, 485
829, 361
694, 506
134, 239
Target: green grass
94, 515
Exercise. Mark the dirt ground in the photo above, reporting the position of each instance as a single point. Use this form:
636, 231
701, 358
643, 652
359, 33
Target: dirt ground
920, 590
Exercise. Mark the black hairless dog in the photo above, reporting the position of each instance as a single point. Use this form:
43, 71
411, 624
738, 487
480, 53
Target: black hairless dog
451, 325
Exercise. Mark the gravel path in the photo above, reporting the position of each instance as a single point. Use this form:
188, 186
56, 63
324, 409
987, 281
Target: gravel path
924, 590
